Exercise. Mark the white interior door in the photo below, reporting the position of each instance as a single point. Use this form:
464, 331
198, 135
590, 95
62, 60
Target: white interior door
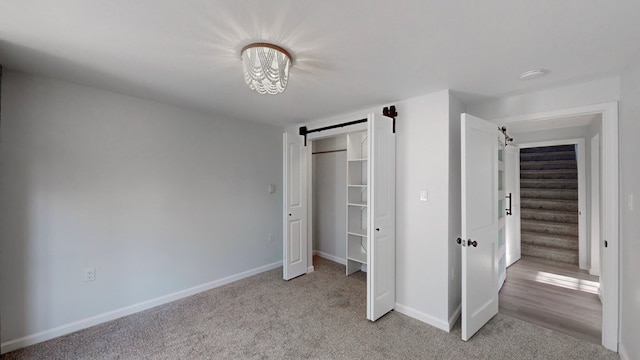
381, 257
512, 187
295, 207
479, 223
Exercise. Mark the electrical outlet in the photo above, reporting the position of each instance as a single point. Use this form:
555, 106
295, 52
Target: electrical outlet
270, 238
424, 195
90, 274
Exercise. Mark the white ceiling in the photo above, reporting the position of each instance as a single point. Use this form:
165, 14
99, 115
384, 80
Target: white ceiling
347, 54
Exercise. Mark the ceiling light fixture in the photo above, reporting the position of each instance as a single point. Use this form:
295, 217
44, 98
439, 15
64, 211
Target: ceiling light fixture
266, 67
532, 74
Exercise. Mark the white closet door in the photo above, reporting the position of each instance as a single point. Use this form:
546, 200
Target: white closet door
381, 256
295, 206
480, 209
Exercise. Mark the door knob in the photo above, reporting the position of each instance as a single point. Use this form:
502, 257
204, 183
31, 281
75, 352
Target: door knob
459, 241
377, 229
473, 243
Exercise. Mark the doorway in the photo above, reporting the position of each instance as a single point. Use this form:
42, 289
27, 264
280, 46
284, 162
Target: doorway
479, 297
329, 196
552, 281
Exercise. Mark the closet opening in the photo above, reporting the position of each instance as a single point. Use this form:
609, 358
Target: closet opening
339, 217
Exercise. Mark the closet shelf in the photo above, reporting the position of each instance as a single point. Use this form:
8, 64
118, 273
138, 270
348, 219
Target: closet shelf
362, 232
357, 204
357, 194
361, 258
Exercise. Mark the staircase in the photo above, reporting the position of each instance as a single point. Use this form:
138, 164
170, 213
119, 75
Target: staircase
549, 203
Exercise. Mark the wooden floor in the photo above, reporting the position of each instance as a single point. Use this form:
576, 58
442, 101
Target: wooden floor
557, 297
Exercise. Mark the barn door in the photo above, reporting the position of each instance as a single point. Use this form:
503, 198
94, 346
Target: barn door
381, 257
295, 207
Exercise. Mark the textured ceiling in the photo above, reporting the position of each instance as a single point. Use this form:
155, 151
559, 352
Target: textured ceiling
347, 54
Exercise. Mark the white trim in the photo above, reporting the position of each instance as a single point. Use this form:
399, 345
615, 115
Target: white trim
610, 226
337, 131
327, 256
309, 155
610, 271
594, 210
583, 254
128, 310
572, 141
556, 114
600, 293
426, 318
310, 269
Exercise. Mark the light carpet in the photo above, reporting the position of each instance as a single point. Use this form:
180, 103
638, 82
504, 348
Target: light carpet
319, 315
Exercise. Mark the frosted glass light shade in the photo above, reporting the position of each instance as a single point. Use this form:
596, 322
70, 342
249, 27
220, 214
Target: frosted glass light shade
266, 67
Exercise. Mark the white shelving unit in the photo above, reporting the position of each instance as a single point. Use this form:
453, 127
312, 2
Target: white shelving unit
357, 199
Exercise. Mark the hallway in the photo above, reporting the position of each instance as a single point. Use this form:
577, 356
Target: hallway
555, 296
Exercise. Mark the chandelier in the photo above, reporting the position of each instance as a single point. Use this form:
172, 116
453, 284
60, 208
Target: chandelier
266, 67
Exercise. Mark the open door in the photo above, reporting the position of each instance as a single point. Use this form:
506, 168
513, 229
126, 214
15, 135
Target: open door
295, 207
512, 189
381, 257
480, 209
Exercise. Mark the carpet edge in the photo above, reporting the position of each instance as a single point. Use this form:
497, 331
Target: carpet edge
69, 328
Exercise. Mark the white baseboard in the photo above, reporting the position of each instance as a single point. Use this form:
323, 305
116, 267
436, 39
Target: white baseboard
600, 293
330, 257
311, 269
127, 310
431, 320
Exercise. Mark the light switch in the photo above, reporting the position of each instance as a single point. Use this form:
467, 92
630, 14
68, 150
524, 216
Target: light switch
271, 188
424, 195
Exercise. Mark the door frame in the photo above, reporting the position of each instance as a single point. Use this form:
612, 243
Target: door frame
610, 226
583, 254
595, 220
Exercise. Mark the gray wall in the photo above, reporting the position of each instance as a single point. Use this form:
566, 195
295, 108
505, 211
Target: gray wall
329, 178
629, 219
157, 198
456, 108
